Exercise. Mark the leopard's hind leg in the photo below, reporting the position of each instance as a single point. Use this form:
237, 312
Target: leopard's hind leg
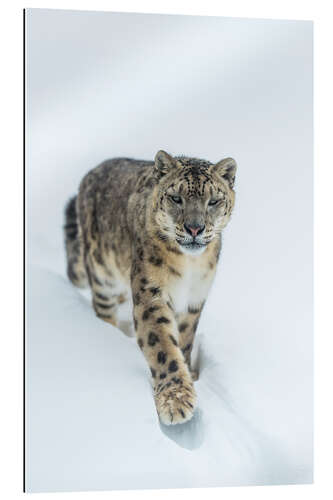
105, 294
76, 270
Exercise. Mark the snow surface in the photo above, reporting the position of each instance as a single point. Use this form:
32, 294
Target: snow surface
102, 85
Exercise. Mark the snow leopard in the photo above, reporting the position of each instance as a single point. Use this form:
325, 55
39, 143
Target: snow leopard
150, 232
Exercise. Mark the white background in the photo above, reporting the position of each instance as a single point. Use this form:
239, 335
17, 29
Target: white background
13, 448
102, 85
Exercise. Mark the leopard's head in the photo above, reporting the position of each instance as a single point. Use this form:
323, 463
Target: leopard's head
194, 199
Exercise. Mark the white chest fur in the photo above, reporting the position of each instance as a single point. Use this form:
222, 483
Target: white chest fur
191, 289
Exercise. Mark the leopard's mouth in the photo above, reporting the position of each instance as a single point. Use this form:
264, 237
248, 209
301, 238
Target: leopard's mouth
192, 246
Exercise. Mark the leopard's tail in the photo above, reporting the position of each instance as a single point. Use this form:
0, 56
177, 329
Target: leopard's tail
76, 270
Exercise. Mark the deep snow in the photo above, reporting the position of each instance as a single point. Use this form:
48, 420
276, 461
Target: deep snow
100, 85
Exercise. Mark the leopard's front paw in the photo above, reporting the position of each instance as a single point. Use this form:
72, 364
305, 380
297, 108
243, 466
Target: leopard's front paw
175, 401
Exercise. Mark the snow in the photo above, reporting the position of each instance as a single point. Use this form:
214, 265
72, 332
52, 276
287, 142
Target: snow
91, 423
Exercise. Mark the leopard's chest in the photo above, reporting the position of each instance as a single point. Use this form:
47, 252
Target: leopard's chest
191, 289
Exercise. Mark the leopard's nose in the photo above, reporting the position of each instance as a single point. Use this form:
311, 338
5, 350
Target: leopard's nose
194, 229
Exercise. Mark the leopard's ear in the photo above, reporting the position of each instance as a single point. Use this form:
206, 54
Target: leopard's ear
163, 163
227, 170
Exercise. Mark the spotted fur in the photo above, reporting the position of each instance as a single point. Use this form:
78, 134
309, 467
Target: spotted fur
150, 231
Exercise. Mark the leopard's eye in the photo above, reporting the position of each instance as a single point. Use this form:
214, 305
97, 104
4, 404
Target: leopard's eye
176, 199
213, 202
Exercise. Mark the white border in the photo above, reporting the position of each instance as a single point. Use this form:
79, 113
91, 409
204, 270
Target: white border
11, 237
